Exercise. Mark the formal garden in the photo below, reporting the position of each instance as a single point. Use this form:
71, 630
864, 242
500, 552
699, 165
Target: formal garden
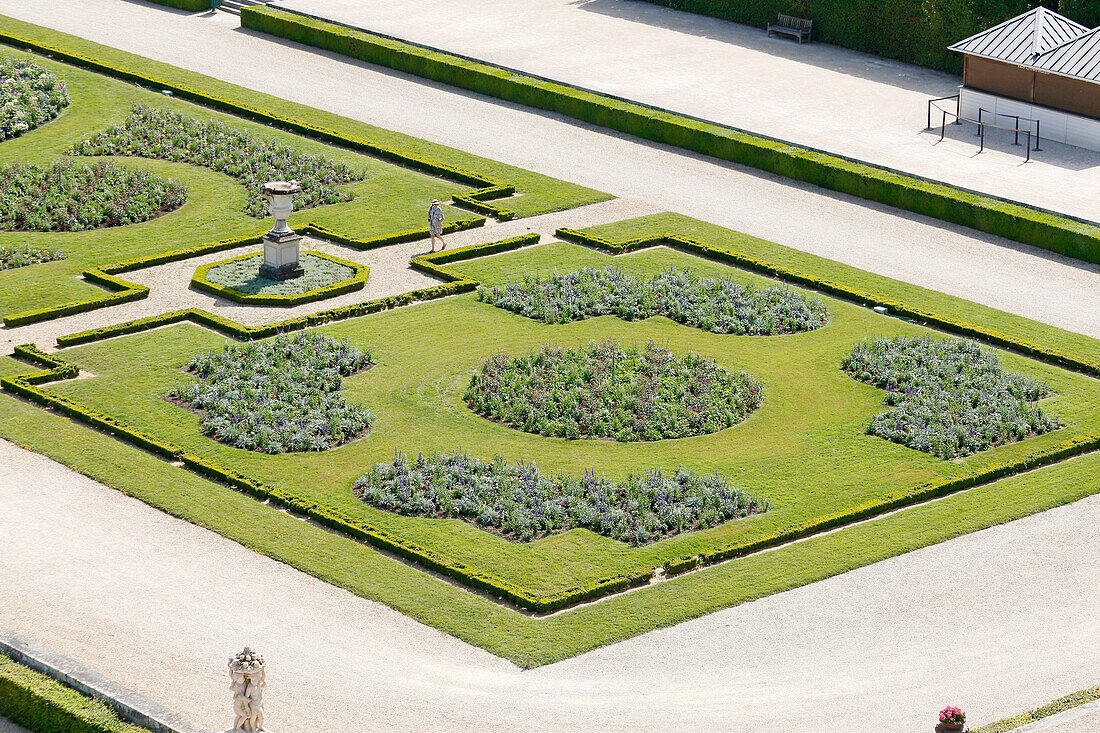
644, 404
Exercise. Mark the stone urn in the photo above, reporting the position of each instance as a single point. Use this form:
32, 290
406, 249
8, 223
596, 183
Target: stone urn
281, 243
247, 680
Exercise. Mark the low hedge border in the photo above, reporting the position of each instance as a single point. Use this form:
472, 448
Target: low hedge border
128, 291
356, 282
841, 290
193, 6
1031, 225
487, 188
454, 283
432, 263
43, 705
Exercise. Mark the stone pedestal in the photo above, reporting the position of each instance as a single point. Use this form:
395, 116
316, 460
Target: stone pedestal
281, 257
281, 243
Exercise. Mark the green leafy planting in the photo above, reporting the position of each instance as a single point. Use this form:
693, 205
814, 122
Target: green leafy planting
170, 135
13, 256
29, 96
607, 391
717, 305
68, 197
243, 274
522, 503
277, 396
948, 397
41, 704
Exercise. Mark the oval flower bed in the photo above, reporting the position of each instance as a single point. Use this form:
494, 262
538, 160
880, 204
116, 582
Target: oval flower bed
30, 95
170, 135
277, 396
67, 197
948, 397
12, 257
719, 306
606, 391
519, 502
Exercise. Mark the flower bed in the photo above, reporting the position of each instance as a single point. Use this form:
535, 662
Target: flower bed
170, 135
948, 397
30, 95
607, 391
67, 197
12, 257
519, 502
277, 396
243, 274
720, 306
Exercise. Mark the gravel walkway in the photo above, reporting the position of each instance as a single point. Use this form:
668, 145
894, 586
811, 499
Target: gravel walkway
894, 639
989, 270
823, 96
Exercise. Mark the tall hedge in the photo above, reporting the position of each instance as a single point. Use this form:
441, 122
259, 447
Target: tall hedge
917, 31
1086, 12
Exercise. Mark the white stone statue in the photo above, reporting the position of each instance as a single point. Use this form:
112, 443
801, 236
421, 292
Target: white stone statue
247, 680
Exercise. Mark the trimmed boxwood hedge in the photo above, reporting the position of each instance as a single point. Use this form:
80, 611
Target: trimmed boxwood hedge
356, 282
43, 705
28, 386
193, 6
1062, 234
487, 188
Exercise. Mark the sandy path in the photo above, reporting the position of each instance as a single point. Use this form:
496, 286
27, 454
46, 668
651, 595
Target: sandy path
80, 575
957, 261
823, 96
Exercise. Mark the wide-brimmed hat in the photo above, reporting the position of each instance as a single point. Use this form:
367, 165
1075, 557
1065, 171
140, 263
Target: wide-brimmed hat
435, 201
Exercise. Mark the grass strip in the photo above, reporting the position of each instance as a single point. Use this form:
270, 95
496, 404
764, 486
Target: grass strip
1060, 705
1037, 227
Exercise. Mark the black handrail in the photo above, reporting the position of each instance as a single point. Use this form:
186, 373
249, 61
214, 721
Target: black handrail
982, 124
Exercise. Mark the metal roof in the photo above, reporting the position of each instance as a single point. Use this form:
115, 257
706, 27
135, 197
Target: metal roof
1079, 58
1023, 38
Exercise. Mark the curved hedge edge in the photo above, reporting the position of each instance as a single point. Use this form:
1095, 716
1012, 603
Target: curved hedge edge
453, 283
409, 235
840, 290
487, 187
42, 704
126, 291
357, 281
1016, 221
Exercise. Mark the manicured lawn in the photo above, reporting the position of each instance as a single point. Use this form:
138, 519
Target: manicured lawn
391, 199
805, 450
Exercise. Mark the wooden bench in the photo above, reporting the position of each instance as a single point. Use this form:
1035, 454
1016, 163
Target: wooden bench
788, 25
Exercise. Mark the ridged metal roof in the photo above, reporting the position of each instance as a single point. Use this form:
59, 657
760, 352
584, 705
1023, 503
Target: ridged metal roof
1079, 58
1023, 38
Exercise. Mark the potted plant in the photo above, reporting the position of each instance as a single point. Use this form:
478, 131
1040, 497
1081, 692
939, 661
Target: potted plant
951, 718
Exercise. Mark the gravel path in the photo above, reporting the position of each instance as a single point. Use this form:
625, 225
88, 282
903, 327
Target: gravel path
6, 726
897, 639
989, 270
823, 96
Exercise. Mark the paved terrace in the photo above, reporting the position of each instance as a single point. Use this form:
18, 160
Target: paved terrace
955, 260
823, 96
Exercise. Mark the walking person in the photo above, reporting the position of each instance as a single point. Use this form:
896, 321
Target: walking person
435, 224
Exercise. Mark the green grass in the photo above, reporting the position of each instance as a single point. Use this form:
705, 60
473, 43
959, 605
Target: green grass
805, 450
1060, 705
392, 199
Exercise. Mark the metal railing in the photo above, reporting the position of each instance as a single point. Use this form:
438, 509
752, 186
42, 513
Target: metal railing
982, 124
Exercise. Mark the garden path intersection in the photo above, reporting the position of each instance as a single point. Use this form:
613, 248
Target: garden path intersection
876, 560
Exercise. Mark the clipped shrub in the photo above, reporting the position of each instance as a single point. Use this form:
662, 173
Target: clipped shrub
277, 396
606, 391
947, 397
169, 135
68, 197
719, 306
521, 503
13, 256
30, 95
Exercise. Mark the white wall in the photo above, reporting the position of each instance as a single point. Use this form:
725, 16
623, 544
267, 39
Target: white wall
1062, 127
